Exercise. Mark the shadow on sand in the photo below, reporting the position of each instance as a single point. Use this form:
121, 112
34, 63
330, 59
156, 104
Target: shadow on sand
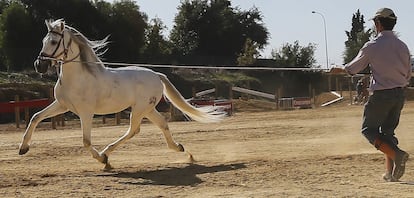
177, 176
411, 183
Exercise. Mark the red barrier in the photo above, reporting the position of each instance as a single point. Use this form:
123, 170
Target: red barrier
9, 107
302, 102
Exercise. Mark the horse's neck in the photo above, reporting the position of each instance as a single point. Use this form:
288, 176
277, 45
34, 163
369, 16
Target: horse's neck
84, 67
86, 63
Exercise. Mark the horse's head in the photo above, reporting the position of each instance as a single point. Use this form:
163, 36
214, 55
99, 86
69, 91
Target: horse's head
55, 46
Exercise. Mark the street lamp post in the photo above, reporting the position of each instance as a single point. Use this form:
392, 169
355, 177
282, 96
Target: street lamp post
326, 39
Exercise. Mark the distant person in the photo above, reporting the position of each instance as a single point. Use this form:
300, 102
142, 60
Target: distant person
362, 91
359, 87
389, 60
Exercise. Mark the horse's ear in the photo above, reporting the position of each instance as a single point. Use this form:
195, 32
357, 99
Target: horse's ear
62, 26
49, 27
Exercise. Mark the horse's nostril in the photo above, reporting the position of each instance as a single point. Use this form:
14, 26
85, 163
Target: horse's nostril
41, 66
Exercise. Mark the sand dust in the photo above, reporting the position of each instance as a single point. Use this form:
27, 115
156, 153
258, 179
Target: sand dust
301, 153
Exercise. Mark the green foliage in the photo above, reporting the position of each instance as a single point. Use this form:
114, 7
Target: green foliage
249, 53
357, 37
215, 29
4, 4
128, 26
157, 49
234, 78
215, 77
294, 55
184, 34
16, 27
208, 31
22, 25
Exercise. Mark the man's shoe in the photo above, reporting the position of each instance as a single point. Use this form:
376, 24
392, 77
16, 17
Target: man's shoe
388, 177
399, 164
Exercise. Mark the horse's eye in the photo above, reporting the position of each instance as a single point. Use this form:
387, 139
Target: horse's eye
53, 42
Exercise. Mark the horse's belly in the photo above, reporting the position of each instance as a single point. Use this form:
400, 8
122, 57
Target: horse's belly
112, 105
139, 99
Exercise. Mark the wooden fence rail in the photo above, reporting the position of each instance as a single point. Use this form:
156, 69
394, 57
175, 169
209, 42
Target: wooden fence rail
18, 106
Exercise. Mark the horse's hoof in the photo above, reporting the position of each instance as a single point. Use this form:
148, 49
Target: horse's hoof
108, 167
23, 150
190, 158
105, 159
180, 147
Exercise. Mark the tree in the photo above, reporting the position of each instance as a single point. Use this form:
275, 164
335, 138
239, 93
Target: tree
249, 53
252, 27
357, 37
294, 55
156, 47
3, 4
16, 39
212, 28
128, 26
81, 14
184, 34
97, 19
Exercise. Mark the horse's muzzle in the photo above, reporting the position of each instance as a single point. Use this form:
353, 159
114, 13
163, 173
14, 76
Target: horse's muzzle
41, 65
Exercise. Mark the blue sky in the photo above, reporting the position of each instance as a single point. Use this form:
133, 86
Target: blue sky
291, 20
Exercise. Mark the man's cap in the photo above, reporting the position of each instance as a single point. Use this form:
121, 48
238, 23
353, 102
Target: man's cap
384, 13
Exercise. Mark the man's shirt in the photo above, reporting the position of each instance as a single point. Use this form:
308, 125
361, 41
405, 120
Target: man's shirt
389, 60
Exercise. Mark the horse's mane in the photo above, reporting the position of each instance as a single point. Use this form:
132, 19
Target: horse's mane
90, 51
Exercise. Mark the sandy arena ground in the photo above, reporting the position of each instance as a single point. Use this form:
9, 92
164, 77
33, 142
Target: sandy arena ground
302, 153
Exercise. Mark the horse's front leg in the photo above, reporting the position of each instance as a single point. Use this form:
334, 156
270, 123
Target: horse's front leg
86, 124
52, 110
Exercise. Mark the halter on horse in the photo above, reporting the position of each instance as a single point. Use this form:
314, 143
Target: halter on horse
85, 87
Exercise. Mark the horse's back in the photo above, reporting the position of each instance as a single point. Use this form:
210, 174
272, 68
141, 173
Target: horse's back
136, 77
129, 86
135, 74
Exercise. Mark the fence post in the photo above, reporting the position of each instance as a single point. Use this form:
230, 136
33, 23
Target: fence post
51, 97
193, 92
231, 91
118, 118
350, 90
61, 120
278, 95
329, 82
248, 87
26, 113
310, 90
314, 97
17, 111
173, 115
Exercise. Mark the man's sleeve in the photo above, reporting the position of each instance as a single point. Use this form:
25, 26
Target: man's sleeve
359, 63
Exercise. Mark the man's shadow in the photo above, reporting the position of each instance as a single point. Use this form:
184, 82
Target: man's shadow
177, 176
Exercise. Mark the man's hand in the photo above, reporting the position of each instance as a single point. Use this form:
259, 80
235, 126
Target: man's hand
338, 70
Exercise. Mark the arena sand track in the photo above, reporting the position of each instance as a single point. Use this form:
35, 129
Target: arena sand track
301, 153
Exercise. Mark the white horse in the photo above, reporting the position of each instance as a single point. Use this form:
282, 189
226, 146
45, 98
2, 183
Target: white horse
85, 87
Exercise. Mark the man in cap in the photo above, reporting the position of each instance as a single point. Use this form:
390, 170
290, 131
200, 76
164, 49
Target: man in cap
389, 60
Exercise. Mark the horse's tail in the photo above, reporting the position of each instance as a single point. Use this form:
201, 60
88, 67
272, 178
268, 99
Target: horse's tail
203, 114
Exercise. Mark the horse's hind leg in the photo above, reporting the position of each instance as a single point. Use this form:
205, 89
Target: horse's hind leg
134, 127
155, 117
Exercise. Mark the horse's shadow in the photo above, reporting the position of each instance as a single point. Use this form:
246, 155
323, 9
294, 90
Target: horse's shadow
177, 176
